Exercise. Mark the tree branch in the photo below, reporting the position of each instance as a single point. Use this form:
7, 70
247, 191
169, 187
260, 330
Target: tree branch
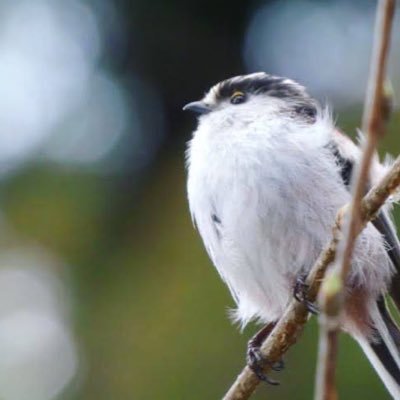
332, 295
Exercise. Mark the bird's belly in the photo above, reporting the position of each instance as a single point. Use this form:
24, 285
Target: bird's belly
263, 246
274, 215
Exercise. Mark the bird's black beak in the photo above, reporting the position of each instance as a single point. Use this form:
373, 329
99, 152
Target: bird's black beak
198, 107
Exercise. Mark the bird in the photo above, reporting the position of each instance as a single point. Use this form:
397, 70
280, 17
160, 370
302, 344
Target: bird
267, 171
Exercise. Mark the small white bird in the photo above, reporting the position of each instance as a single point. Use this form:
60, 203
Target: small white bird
268, 171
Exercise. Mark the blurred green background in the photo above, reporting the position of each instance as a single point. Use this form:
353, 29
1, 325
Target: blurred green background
106, 291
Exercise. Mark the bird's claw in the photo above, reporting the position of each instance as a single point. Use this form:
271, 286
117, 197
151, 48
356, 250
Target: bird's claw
256, 363
300, 294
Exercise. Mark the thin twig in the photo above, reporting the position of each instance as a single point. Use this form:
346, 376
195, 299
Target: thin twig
372, 127
291, 324
327, 356
332, 291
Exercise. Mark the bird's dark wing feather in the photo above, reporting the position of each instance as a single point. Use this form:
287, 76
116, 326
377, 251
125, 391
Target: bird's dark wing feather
385, 227
382, 223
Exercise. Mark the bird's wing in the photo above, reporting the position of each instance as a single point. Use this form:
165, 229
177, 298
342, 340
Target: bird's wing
346, 153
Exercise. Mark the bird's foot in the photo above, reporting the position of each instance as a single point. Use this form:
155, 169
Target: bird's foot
256, 363
300, 294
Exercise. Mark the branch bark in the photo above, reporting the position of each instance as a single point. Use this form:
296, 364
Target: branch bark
332, 292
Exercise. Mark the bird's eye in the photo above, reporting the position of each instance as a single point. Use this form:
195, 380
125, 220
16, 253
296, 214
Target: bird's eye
238, 97
308, 111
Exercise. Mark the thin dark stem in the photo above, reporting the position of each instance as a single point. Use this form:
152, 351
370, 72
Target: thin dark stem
328, 345
332, 291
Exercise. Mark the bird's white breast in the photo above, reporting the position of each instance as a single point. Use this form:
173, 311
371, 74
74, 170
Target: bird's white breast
264, 198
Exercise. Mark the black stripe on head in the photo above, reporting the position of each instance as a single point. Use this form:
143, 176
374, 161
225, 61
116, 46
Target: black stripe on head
274, 86
345, 165
299, 100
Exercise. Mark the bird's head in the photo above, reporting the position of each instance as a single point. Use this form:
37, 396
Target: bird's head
247, 98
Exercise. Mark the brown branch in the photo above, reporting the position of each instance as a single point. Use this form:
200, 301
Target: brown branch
329, 321
375, 99
332, 291
291, 324
373, 128
327, 356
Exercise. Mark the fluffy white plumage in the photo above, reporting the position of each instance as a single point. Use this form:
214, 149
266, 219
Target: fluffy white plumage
275, 187
264, 186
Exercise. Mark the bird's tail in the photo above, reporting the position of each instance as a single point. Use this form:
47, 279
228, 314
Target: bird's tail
383, 349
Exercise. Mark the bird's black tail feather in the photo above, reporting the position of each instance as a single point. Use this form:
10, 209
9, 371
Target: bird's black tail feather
383, 349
